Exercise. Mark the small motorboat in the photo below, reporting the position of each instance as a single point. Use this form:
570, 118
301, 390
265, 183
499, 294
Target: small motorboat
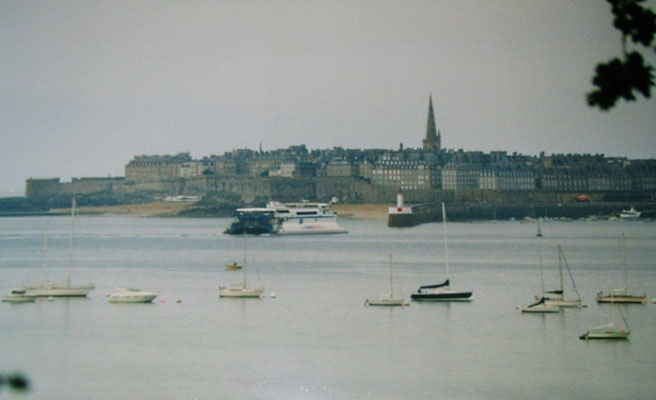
123, 295
630, 214
17, 295
234, 266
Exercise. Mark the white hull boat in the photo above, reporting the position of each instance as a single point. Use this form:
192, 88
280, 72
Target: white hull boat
565, 303
305, 218
131, 296
630, 214
18, 296
557, 298
52, 289
59, 290
387, 299
540, 309
240, 290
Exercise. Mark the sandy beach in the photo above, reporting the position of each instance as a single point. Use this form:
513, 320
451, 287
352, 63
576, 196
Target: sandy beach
163, 209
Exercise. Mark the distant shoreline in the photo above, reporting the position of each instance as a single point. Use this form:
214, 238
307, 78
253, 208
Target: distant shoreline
171, 209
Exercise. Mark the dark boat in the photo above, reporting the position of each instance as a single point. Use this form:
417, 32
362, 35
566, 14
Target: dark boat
440, 292
252, 221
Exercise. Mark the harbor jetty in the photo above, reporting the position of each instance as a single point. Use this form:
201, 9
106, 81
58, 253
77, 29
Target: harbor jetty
431, 212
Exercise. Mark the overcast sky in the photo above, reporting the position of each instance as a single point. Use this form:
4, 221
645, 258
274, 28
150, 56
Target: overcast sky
87, 85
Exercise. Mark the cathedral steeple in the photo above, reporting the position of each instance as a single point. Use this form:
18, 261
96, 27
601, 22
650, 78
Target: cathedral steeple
433, 138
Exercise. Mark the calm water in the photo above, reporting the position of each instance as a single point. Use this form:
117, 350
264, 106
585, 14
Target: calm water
316, 339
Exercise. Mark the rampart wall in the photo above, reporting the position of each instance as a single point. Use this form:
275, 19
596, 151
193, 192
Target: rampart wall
348, 190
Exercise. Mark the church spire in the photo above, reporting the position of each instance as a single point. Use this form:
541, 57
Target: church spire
432, 141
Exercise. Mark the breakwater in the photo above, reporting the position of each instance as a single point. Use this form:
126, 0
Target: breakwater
432, 212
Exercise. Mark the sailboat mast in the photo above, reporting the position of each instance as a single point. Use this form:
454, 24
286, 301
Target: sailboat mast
70, 242
244, 259
391, 279
446, 247
626, 280
560, 271
541, 275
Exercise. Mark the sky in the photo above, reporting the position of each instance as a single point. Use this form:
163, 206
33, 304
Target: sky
87, 85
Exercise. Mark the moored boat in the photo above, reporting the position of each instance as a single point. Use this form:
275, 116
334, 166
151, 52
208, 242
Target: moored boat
557, 297
18, 295
442, 291
541, 307
240, 290
387, 299
621, 296
126, 295
233, 266
630, 214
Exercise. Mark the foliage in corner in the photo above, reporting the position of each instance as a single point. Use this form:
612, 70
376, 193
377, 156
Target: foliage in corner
620, 78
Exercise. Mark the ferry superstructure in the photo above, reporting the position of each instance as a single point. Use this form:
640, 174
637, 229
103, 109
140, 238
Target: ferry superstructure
305, 218
286, 219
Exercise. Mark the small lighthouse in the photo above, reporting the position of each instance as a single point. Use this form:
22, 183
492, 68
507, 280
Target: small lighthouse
400, 208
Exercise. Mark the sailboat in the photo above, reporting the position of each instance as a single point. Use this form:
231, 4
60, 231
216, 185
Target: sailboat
52, 289
540, 306
608, 331
557, 297
240, 289
442, 291
621, 295
387, 299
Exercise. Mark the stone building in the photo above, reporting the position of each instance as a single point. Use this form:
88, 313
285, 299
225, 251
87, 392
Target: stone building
402, 174
460, 176
155, 168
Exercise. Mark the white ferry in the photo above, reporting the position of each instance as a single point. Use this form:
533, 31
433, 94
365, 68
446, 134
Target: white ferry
304, 218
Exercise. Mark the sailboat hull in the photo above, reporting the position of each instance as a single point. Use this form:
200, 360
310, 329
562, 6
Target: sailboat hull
385, 302
240, 292
540, 309
60, 290
606, 335
565, 303
442, 296
622, 299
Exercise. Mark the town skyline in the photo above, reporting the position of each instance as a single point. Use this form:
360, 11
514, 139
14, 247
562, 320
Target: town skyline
89, 86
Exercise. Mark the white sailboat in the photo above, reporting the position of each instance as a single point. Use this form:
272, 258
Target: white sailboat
442, 291
557, 297
540, 307
387, 299
622, 295
240, 289
67, 289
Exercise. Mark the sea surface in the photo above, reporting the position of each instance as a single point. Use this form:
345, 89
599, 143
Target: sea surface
312, 337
